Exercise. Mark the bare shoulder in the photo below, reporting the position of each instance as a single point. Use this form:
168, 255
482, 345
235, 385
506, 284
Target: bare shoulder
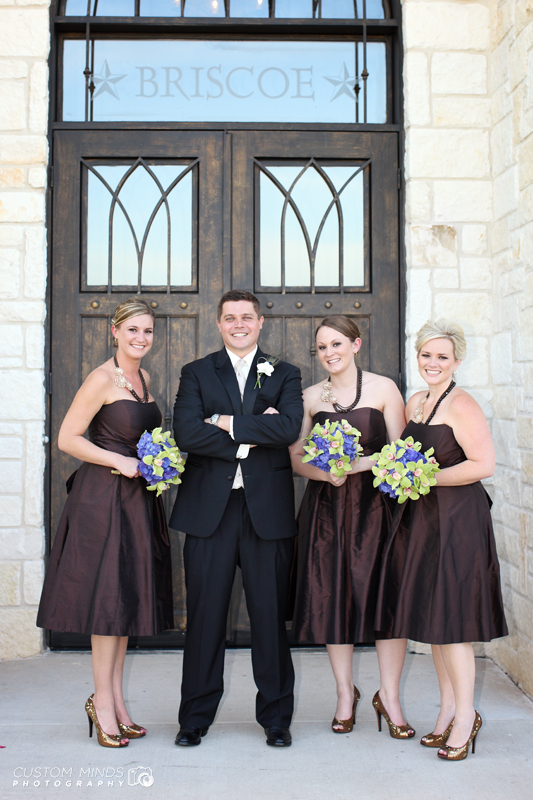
380, 382
462, 403
99, 378
312, 393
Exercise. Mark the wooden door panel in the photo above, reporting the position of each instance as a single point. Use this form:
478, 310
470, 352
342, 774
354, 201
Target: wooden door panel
225, 241
80, 331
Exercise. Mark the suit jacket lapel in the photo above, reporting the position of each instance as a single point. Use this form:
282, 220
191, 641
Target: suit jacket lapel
250, 393
226, 373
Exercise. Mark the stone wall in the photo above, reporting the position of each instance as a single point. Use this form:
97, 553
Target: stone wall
469, 241
24, 47
511, 239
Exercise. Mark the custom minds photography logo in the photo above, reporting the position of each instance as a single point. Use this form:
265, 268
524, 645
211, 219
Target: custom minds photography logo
141, 776
74, 777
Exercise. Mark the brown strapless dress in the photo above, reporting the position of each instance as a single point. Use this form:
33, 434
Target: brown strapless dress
109, 571
440, 577
341, 535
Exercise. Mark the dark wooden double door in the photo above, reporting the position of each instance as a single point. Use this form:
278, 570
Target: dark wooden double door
181, 217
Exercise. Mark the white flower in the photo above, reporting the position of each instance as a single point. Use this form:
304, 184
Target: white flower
265, 368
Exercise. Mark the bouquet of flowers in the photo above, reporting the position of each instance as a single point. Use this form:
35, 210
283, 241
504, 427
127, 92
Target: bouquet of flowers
160, 460
332, 446
403, 472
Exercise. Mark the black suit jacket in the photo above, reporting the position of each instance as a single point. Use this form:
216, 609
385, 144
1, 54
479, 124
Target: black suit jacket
210, 385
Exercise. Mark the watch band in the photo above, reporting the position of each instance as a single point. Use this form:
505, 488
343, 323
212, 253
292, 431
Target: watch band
214, 419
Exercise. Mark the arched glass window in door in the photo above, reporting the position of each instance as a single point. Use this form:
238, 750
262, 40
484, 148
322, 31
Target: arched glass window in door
310, 226
140, 226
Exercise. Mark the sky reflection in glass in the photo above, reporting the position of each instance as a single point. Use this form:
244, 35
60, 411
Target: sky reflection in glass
139, 196
312, 196
225, 81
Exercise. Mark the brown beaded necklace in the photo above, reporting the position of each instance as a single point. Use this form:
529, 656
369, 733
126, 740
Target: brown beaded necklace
122, 383
419, 410
327, 395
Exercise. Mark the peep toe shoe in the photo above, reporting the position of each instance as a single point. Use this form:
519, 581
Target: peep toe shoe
104, 739
396, 731
347, 724
132, 731
460, 753
439, 739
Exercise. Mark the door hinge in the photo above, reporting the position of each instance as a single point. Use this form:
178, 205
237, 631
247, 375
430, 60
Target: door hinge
48, 383
51, 177
399, 178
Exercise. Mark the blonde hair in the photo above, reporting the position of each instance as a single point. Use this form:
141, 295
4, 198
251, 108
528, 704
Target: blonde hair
443, 329
128, 309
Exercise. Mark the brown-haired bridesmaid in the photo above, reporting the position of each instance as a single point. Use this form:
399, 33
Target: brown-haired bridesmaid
343, 524
109, 573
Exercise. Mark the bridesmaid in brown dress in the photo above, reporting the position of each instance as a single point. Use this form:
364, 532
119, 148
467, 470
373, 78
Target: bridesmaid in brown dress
109, 573
440, 579
343, 526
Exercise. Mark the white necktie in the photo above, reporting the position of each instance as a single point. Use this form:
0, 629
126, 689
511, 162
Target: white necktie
241, 378
238, 483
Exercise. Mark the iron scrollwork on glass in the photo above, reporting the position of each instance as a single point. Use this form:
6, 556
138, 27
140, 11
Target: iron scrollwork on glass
311, 226
140, 226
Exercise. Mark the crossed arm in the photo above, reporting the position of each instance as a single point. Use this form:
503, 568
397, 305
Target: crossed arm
194, 435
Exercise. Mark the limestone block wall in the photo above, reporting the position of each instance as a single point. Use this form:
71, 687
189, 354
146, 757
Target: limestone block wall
468, 93
511, 241
448, 122
24, 47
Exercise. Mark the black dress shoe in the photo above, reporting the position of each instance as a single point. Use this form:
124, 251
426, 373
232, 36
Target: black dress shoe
278, 737
187, 737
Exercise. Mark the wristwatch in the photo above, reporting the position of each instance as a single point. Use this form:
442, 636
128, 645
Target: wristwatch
214, 419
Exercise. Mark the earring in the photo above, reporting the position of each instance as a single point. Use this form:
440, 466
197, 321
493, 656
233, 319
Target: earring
115, 342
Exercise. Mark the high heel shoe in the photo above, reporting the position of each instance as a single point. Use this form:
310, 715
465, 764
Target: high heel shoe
347, 724
439, 739
132, 731
460, 753
104, 739
396, 731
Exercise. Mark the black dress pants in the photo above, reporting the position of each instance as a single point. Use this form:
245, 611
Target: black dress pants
210, 565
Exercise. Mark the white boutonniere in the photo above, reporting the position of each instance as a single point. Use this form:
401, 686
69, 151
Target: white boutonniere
265, 366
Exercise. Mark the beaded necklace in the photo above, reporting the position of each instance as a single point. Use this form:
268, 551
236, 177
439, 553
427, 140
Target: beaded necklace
418, 415
327, 395
122, 383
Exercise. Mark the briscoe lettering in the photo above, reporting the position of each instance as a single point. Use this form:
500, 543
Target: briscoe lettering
210, 83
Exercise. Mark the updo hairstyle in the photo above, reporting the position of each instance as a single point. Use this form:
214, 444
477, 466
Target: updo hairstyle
442, 329
345, 325
128, 309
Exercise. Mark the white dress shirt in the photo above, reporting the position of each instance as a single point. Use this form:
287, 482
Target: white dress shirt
244, 449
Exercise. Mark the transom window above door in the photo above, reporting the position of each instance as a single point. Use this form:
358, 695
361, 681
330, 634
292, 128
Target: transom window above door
224, 80
240, 9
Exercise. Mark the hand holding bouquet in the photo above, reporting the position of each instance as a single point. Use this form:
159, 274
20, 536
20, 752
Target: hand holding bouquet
160, 460
332, 446
403, 472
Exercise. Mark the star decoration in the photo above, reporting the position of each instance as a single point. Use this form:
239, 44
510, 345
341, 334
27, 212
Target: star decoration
107, 82
344, 84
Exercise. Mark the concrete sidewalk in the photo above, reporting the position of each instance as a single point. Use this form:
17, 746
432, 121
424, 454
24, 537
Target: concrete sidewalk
44, 727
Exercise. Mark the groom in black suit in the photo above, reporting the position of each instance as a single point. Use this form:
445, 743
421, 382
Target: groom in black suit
236, 505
